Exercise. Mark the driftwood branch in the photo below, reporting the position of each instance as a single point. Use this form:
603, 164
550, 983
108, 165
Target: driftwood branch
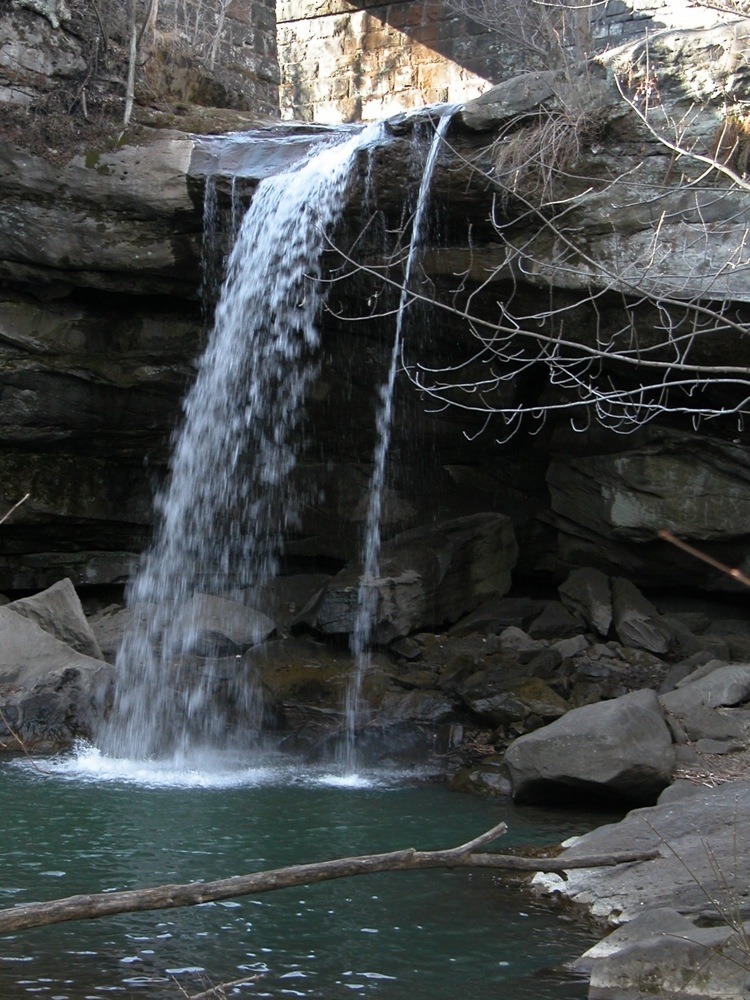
86, 907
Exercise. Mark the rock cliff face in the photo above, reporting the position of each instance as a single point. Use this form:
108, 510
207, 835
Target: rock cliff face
63, 54
563, 211
100, 261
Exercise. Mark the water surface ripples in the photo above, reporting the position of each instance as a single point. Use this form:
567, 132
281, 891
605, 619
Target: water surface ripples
84, 823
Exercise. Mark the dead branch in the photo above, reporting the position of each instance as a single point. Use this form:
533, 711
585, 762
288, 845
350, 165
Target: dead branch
86, 907
732, 571
14, 507
218, 991
20, 743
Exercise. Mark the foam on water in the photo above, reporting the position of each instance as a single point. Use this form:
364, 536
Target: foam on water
86, 763
346, 780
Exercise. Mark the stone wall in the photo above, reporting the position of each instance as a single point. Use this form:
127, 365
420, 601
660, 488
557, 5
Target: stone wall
343, 61
352, 60
235, 41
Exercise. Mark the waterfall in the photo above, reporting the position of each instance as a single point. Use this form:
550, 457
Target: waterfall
228, 502
211, 248
367, 596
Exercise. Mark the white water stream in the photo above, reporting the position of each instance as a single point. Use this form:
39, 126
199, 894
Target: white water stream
229, 499
367, 596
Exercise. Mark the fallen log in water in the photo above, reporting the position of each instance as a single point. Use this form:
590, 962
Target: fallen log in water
103, 904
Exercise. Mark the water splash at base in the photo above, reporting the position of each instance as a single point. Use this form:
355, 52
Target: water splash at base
87, 764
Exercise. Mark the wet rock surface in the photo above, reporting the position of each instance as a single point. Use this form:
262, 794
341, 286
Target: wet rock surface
660, 949
626, 716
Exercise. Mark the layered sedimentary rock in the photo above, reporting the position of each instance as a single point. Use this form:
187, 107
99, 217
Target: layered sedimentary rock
104, 256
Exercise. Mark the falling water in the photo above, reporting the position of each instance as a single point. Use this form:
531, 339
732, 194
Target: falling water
367, 596
229, 499
211, 249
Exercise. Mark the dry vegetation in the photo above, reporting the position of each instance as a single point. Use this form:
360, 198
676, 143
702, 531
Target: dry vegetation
174, 79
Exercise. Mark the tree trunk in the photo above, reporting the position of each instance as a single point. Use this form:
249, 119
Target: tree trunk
132, 57
167, 896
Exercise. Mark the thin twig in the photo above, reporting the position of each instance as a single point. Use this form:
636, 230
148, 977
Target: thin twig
14, 507
217, 991
735, 573
20, 742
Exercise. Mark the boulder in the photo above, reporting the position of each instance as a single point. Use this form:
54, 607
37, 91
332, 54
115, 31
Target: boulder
530, 698
734, 634
429, 577
425, 706
58, 611
494, 616
636, 620
50, 694
219, 626
305, 679
703, 864
487, 778
701, 723
540, 90
586, 593
284, 597
662, 952
555, 622
726, 685
619, 749
513, 640
692, 706
109, 626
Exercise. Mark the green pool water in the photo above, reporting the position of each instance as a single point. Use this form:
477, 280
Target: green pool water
73, 827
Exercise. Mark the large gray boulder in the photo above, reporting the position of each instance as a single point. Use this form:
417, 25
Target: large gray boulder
50, 694
703, 864
693, 708
619, 749
58, 611
728, 684
429, 577
662, 949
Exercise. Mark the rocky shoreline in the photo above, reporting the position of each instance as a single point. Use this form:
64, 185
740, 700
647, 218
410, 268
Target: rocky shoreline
541, 699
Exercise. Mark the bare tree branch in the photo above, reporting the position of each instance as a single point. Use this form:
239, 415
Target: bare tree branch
15, 507
86, 907
679, 266
732, 571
